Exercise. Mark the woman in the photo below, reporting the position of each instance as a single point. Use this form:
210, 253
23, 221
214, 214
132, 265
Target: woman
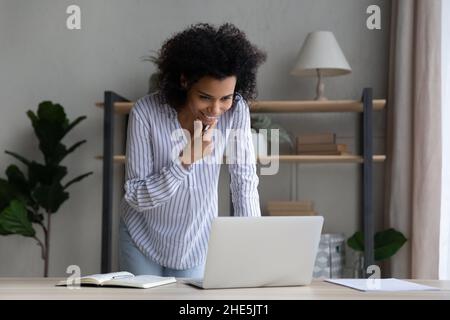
206, 76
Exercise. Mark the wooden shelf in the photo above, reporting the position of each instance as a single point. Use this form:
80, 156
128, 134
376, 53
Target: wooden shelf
284, 106
322, 159
117, 159
313, 106
119, 107
296, 158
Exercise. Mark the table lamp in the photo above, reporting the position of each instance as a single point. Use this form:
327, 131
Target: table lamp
321, 56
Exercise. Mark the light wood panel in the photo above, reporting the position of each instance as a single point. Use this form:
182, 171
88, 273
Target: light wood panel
295, 158
284, 106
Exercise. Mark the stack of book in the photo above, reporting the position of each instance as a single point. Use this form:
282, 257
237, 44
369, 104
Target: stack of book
291, 208
320, 144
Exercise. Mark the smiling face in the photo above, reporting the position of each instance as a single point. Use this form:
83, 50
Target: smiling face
209, 98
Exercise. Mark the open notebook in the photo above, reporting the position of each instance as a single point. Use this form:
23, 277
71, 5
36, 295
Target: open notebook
122, 279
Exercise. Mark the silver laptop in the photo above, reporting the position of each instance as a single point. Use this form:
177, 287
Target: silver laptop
258, 252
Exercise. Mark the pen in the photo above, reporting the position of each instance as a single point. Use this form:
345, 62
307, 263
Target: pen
120, 277
205, 128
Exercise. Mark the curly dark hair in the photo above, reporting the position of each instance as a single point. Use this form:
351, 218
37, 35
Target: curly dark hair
203, 50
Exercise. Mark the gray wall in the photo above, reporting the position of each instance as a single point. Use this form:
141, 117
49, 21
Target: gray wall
41, 60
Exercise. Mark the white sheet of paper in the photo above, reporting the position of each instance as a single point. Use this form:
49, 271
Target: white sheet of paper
381, 284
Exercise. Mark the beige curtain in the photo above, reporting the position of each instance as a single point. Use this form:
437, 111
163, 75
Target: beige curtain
413, 168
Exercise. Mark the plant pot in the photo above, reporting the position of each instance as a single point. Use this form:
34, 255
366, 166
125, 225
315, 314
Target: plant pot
358, 265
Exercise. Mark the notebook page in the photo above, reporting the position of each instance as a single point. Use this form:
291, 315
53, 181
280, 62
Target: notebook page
381, 285
143, 281
106, 276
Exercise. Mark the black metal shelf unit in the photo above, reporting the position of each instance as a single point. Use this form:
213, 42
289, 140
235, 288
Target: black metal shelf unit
366, 145
108, 174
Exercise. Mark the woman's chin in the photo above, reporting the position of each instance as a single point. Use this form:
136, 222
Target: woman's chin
208, 122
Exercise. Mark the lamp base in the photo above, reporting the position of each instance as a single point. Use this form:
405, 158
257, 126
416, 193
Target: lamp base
320, 88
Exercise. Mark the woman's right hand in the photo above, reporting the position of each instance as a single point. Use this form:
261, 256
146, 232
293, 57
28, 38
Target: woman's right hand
201, 144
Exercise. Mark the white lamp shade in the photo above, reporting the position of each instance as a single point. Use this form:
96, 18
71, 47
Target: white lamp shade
321, 51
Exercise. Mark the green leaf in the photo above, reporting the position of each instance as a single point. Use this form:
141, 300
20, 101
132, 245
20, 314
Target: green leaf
59, 152
260, 122
14, 220
387, 243
283, 135
52, 149
34, 119
50, 197
17, 179
72, 148
74, 123
50, 125
45, 175
7, 193
4, 232
53, 154
50, 112
356, 242
75, 146
10, 190
18, 157
79, 178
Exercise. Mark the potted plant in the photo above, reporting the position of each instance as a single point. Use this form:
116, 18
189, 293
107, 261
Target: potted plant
262, 140
33, 198
386, 244
153, 81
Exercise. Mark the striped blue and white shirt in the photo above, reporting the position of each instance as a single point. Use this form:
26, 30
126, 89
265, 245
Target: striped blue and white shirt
167, 208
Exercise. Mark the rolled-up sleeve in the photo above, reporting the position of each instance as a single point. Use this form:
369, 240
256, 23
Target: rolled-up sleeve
144, 188
244, 180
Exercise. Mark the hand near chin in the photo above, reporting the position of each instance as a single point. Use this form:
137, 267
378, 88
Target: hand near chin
201, 144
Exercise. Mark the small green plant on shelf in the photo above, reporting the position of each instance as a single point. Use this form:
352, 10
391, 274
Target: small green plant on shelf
33, 198
153, 81
259, 122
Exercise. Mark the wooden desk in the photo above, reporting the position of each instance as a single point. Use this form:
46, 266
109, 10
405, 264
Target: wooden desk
40, 288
